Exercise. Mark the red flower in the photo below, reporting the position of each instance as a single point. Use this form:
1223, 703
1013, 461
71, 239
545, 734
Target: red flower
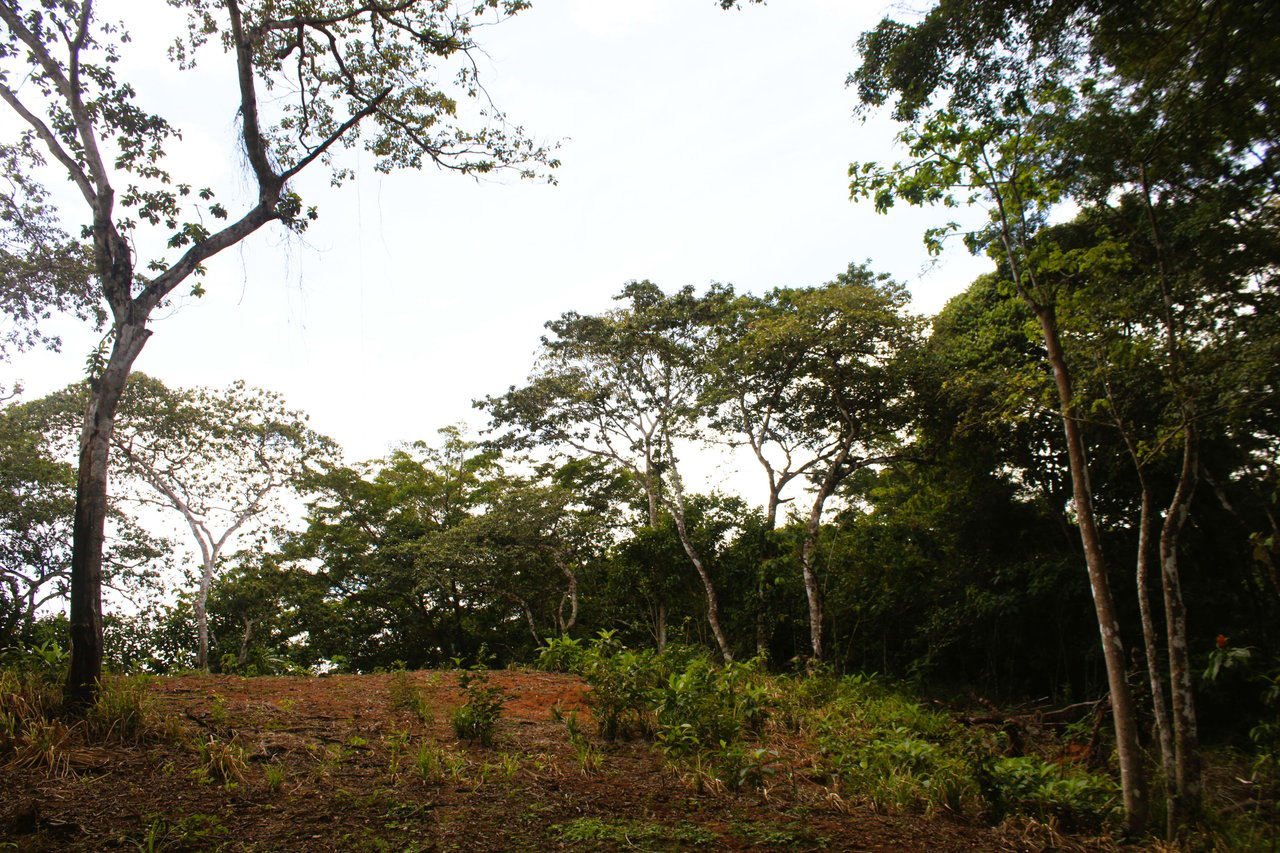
1222, 641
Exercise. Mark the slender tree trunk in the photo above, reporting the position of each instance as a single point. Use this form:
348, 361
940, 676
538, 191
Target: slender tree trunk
1128, 749
809, 548
674, 503
89, 526
243, 657
762, 587
570, 597
202, 615
660, 628
1151, 642
708, 586
1185, 804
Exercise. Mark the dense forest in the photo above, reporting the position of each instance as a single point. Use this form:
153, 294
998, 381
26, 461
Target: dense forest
1082, 444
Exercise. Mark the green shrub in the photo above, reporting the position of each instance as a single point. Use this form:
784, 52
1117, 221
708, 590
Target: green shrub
562, 654
622, 684
703, 705
1075, 799
482, 705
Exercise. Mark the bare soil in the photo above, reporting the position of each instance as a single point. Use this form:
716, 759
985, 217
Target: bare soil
340, 763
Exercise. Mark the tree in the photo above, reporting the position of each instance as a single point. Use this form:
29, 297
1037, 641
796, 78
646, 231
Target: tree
384, 590
37, 502
994, 142
223, 460
535, 539
812, 380
42, 270
627, 386
1154, 118
352, 71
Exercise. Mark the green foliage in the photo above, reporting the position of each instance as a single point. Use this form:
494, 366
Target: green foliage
622, 684
703, 705
477, 717
1078, 801
562, 654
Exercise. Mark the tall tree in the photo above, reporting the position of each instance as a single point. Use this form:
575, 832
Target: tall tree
354, 71
224, 460
1157, 116
993, 142
628, 386
1161, 113
813, 381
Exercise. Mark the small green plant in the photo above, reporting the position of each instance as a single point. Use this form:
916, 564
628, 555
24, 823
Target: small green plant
218, 714
123, 712
588, 756
273, 775
477, 717
562, 654
508, 766
1074, 799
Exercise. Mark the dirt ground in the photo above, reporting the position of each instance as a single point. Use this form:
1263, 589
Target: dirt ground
345, 763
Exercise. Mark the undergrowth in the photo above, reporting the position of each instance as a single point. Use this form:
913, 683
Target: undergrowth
34, 731
860, 738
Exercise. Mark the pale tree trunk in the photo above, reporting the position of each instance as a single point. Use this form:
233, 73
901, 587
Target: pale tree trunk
1150, 635
708, 586
1187, 798
243, 657
1151, 640
570, 597
675, 505
202, 616
809, 550
1133, 781
660, 627
1185, 805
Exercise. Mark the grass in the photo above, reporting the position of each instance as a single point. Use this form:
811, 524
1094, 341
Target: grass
634, 834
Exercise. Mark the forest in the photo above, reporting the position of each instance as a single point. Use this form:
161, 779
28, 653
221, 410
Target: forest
1058, 493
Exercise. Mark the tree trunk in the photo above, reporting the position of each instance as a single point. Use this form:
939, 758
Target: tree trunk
89, 526
1185, 803
243, 657
1151, 642
708, 586
809, 549
202, 617
1132, 778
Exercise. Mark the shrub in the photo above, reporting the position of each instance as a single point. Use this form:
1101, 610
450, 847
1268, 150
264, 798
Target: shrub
706, 706
562, 654
482, 705
1075, 799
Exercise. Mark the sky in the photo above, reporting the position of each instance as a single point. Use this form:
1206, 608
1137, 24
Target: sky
698, 146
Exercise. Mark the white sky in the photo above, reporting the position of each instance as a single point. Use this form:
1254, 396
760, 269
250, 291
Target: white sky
698, 145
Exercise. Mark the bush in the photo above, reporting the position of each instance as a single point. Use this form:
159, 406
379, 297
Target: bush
1075, 799
562, 654
478, 715
703, 705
